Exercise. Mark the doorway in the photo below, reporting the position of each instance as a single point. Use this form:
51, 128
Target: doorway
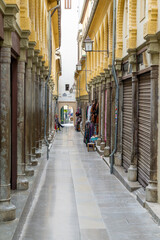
66, 114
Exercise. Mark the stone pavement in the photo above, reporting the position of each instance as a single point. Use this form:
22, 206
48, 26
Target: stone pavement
78, 199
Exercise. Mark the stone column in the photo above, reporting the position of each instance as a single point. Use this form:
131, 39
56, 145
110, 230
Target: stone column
28, 121
40, 113
37, 117
38, 102
43, 106
52, 114
102, 146
108, 130
151, 189
22, 182
132, 170
113, 93
7, 209
118, 154
51, 111
153, 50
48, 128
34, 115
99, 100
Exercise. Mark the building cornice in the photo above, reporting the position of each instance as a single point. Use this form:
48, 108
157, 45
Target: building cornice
84, 8
90, 19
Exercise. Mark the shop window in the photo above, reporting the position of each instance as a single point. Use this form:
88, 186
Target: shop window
66, 87
143, 60
67, 4
142, 10
126, 69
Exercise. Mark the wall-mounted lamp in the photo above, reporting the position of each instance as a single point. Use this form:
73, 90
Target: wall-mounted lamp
79, 67
88, 43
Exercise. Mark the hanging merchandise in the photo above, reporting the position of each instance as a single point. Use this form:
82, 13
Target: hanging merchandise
89, 113
91, 126
78, 119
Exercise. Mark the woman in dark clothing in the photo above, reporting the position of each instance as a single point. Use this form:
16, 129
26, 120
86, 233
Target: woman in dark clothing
58, 123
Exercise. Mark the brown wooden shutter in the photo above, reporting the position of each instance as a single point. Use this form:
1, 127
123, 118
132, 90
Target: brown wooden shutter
144, 128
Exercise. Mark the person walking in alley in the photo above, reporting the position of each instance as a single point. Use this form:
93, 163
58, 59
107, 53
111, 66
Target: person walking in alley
57, 123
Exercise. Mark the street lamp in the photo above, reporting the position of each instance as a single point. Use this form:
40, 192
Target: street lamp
88, 44
79, 67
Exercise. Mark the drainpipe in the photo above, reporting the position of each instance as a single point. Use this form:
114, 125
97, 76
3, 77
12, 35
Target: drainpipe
117, 87
48, 77
86, 72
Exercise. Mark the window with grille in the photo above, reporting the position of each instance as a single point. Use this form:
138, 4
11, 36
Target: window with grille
67, 87
67, 4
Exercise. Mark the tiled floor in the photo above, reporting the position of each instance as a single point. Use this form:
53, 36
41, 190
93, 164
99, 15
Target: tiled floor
78, 199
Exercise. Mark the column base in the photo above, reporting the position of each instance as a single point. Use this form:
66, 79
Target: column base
132, 173
38, 154
107, 151
117, 159
102, 146
22, 183
151, 192
98, 141
7, 211
34, 161
33, 150
29, 171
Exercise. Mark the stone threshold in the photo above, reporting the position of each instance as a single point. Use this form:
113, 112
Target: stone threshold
23, 200
101, 152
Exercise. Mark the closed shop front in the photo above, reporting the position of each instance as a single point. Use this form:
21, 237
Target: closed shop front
127, 123
144, 128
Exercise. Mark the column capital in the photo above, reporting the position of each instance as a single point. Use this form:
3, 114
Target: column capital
23, 45
31, 46
107, 73
9, 24
10, 17
153, 48
132, 59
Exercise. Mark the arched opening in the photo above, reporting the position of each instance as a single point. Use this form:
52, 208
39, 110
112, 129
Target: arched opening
66, 114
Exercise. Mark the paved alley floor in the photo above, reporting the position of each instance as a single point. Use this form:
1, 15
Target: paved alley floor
78, 199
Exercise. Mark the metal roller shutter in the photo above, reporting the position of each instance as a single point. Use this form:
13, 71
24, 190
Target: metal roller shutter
127, 123
144, 128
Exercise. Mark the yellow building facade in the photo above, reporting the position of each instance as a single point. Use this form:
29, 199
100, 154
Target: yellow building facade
30, 66
136, 63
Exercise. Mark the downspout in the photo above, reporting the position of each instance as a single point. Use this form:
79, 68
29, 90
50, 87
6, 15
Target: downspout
86, 72
117, 87
48, 77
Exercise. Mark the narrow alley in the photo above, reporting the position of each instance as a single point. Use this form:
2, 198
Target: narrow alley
77, 198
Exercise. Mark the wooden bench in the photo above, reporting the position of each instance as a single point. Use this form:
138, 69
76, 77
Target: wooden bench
91, 144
